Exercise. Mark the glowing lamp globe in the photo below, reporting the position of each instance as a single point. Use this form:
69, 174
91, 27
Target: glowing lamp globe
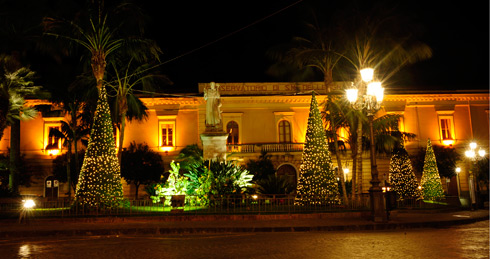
367, 74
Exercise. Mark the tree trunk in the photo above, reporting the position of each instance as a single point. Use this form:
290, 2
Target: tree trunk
359, 158
121, 136
328, 79
68, 169
354, 171
98, 64
75, 140
14, 155
136, 191
341, 171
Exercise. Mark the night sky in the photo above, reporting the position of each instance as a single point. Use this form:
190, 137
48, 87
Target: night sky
218, 41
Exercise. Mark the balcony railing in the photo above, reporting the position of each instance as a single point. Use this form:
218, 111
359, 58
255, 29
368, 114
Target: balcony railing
267, 147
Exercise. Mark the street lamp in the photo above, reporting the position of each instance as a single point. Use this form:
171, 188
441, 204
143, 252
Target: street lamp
472, 156
458, 170
370, 100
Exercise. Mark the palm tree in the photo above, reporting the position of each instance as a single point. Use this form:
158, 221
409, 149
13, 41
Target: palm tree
70, 133
305, 56
376, 40
126, 104
15, 83
102, 40
335, 117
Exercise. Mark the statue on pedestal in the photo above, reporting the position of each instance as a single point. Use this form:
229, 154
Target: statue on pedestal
213, 108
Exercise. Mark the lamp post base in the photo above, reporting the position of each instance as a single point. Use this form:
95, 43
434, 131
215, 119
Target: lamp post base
378, 206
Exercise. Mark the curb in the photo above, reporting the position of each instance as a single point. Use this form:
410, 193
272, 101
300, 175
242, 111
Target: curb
204, 230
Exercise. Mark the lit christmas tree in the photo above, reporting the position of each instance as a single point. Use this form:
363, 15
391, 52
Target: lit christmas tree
401, 176
317, 183
99, 184
431, 181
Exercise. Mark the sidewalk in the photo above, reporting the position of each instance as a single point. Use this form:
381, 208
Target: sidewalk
183, 224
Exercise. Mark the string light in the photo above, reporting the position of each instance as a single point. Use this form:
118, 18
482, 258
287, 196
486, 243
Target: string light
317, 183
99, 183
401, 176
431, 181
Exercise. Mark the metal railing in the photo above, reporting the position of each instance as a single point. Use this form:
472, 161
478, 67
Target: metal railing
267, 147
227, 204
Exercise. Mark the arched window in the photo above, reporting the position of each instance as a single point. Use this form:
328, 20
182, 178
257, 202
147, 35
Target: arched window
284, 131
288, 171
232, 130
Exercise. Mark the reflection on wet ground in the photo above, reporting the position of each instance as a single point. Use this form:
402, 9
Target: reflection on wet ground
466, 241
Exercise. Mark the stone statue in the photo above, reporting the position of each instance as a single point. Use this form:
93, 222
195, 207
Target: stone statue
213, 104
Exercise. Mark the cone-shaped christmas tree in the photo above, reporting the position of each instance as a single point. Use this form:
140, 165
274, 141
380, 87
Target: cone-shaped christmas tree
99, 184
401, 176
317, 183
431, 181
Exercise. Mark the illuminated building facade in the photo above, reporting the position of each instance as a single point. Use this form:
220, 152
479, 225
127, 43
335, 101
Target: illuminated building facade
272, 117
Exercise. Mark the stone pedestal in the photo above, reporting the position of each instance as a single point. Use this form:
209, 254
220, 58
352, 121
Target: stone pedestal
214, 145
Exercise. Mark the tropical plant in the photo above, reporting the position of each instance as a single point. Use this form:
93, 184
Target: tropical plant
141, 166
16, 82
335, 118
261, 168
126, 105
70, 134
200, 183
229, 178
102, 41
305, 56
275, 184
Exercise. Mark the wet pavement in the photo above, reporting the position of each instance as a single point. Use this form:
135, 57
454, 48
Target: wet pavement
462, 241
186, 224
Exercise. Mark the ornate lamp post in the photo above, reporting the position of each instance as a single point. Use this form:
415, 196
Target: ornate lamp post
370, 100
473, 157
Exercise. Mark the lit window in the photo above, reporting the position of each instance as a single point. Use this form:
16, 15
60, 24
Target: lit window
446, 130
167, 135
284, 131
232, 129
52, 141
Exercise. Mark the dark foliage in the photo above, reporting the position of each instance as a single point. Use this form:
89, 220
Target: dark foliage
140, 165
261, 168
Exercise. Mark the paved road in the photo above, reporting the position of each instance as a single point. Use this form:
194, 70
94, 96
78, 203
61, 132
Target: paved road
465, 241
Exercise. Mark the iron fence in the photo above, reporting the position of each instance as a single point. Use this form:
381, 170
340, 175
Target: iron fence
225, 204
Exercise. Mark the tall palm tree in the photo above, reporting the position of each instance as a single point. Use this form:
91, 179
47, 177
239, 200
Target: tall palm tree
334, 116
16, 82
126, 104
376, 39
306, 56
103, 40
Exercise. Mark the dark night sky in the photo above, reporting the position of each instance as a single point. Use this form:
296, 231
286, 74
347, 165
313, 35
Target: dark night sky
458, 35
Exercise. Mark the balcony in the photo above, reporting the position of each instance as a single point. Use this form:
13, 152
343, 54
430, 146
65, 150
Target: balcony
266, 147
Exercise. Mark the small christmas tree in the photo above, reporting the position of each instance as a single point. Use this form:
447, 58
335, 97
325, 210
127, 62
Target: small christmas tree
317, 183
401, 175
99, 184
431, 181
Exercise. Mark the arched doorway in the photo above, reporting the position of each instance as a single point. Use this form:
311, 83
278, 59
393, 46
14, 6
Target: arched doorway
290, 172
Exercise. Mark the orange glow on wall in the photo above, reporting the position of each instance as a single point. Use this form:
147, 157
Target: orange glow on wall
53, 152
167, 148
448, 142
